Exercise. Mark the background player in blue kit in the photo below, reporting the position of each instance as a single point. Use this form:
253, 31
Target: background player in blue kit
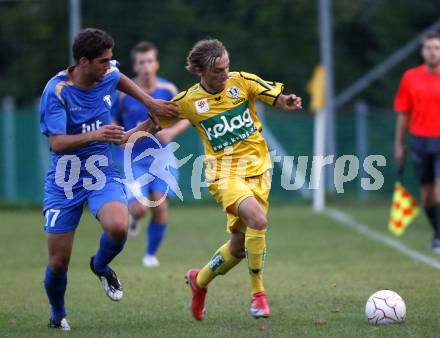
75, 115
129, 112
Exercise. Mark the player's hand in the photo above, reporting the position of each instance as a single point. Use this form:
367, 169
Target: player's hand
163, 108
399, 154
288, 102
147, 126
109, 133
292, 102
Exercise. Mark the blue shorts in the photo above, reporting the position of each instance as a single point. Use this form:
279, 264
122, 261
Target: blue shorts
63, 215
136, 191
425, 153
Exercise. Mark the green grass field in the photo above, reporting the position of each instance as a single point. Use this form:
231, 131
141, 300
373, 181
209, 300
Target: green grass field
318, 273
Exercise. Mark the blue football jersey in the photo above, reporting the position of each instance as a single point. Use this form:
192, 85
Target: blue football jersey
66, 109
129, 112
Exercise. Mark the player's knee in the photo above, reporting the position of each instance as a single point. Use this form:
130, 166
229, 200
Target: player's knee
118, 228
258, 221
59, 265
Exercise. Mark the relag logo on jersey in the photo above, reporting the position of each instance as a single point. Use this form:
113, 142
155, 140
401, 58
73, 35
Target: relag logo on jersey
233, 92
230, 127
202, 106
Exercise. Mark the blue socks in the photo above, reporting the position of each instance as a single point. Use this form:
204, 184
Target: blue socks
108, 249
155, 235
55, 286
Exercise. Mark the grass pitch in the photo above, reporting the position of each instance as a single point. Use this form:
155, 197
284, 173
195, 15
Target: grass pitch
318, 275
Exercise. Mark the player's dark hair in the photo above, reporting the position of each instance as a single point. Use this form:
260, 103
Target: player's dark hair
204, 54
430, 36
91, 43
143, 47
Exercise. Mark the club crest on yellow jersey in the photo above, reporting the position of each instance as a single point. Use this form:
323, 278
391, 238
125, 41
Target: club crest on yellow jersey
233, 92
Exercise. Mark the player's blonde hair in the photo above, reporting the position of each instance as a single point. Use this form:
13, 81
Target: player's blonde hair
204, 54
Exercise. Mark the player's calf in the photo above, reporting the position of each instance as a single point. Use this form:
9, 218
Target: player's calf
136, 212
133, 226
236, 244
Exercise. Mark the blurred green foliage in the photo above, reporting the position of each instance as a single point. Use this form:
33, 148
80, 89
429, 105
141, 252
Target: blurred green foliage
277, 39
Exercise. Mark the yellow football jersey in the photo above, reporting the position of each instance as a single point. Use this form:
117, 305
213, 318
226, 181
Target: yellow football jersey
228, 124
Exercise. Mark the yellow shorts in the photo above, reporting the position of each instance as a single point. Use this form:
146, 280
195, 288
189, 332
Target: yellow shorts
231, 192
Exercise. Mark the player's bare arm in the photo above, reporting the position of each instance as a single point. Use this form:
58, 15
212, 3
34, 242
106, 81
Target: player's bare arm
168, 134
156, 106
147, 126
288, 102
64, 143
399, 144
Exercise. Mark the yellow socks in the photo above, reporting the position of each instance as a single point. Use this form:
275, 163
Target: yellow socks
220, 263
255, 244
223, 261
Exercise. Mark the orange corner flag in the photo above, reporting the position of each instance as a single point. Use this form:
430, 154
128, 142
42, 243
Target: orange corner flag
403, 210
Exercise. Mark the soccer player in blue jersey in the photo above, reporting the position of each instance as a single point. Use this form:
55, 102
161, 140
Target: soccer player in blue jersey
75, 115
129, 112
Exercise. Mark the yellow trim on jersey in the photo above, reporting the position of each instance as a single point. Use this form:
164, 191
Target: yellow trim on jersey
59, 87
180, 96
111, 69
228, 124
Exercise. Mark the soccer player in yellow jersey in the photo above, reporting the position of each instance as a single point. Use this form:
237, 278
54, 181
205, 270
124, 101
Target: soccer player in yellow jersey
222, 109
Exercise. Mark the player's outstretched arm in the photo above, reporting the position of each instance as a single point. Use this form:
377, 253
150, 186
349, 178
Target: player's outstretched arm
147, 126
156, 106
288, 102
168, 134
64, 143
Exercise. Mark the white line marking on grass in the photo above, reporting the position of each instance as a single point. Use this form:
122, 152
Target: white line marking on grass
349, 222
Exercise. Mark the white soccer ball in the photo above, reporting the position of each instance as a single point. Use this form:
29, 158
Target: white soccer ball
385, 307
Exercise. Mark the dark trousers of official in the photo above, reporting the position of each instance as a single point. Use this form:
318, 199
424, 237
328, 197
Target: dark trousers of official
425, 154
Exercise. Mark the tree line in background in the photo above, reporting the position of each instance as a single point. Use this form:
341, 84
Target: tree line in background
276, 39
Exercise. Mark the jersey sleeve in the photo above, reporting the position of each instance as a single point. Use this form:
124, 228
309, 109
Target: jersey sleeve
113, 75
403, 100
53, 119
266, 91
166, 122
